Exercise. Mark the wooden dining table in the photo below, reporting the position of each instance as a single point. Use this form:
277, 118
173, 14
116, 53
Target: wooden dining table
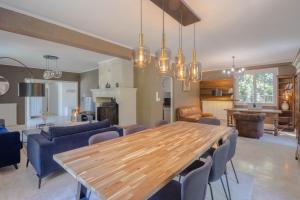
136, 166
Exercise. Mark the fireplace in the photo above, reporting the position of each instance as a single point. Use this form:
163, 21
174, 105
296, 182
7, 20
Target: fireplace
108, 110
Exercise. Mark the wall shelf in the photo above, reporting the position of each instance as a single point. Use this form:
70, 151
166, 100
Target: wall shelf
286, 118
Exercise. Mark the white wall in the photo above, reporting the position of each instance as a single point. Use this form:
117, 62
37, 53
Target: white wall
53, 101
116, 70
68, 94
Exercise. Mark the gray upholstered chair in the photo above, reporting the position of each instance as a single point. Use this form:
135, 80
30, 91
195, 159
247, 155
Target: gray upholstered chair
133, 129
161, 123
193, 186
210, 121
218, 169
101, 137
233, 140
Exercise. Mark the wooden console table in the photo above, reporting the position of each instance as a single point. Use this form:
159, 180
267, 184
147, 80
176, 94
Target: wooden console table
270, 113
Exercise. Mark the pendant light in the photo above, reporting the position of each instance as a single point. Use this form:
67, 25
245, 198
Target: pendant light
195, 67
141, 54
233, 71
181, 71
163, 56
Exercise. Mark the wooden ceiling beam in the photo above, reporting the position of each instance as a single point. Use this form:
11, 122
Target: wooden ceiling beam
176, 8
18, 23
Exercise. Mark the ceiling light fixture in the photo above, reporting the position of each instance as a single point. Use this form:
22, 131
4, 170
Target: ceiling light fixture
49, 73
181, 70
163, 56
141, 54
195, 66
233, 71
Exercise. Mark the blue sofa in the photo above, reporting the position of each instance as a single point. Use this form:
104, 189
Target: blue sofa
42, 147
10, 147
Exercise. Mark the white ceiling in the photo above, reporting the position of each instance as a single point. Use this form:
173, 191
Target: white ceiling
256, 31
30, 51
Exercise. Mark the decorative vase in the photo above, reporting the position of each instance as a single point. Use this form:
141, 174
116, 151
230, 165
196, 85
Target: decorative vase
285, 105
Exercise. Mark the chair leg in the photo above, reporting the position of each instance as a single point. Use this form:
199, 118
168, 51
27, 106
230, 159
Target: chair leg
237, 180
16, 166
211, 192
229, 193
27, 163
40, 182
224, 188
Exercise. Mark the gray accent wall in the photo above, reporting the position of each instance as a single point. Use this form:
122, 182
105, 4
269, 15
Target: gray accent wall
15, 75
88, 80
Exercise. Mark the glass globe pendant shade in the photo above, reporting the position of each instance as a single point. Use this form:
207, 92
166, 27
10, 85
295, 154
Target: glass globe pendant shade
181, 70
195, 69
141, 54
57, 74
163, 59
47, 74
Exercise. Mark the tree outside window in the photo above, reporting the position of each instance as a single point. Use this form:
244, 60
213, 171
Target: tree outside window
257, 86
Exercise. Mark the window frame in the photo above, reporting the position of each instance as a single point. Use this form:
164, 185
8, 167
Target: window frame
254, 72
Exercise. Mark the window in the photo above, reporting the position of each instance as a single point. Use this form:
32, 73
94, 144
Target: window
257, 86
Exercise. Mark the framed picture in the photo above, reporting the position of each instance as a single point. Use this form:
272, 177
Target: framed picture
186, 85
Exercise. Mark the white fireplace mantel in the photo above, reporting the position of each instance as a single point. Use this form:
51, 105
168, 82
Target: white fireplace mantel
126, 99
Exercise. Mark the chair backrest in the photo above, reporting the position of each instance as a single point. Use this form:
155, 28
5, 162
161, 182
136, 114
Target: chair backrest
195, 182
210, 121
160, 123
219, 161
101, 137
233, 140
133, 129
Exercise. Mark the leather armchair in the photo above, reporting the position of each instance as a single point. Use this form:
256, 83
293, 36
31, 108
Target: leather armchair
250, 125
190, 114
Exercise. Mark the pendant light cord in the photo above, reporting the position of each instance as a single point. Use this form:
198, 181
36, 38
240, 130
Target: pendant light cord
141, 12
233, 62
163, 16
181, 30
194, 36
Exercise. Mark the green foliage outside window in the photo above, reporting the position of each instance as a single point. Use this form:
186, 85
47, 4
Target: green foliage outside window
256, 88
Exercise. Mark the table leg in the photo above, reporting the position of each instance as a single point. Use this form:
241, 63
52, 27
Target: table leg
81, 192
78, 192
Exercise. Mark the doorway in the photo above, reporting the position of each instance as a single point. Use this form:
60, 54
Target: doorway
167, 94
61, 97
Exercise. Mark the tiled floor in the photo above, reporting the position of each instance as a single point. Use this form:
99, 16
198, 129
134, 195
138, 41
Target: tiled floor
266, 168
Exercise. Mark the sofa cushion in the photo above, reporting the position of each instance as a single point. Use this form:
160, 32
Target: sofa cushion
58, 131
3, 130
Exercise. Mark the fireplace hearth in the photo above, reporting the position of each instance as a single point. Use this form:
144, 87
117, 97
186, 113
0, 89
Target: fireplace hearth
108, 110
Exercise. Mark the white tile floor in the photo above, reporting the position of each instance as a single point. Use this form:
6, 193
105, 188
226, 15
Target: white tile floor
266, 168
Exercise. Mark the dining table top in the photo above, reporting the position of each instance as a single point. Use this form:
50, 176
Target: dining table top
138, 165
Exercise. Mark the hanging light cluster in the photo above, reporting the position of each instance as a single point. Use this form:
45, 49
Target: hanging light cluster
51, 73
163, 61
181, 70
233, 71
163, 56
195, 66
141, 54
